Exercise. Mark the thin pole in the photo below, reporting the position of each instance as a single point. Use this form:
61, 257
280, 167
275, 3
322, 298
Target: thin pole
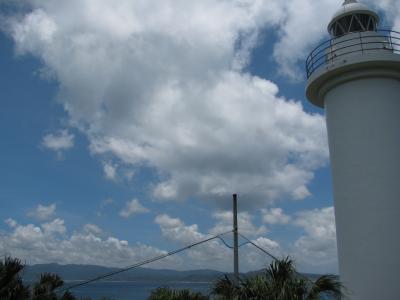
235, 241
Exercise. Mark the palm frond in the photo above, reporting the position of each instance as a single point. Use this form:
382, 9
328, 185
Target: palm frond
166, 293
329, 285
225, 289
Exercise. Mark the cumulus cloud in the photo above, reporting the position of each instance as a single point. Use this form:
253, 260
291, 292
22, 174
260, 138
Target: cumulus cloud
51, 242
92, 228
117, 173
215, 254
391, 10
133, 207
153, 93
317, 248
59, 141
245, 224
255, 258
43, 212
174, 229
44, 244
304, 25
55, 226
267, 244
110, 171
10, 222
210, 255
275, 216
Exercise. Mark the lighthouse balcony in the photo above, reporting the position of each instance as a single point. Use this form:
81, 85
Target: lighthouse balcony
341, 49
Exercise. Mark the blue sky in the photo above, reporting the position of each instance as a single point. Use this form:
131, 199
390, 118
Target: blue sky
125, 133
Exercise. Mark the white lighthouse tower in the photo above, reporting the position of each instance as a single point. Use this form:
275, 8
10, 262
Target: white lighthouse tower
355, 76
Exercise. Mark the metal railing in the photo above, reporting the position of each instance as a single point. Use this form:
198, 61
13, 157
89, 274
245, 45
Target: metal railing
351, 43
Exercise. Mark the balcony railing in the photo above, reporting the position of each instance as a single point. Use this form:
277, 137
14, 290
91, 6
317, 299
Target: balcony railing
351, 44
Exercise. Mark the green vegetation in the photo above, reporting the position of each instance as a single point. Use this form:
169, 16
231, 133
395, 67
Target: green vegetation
165, 293
280, 281
12, 287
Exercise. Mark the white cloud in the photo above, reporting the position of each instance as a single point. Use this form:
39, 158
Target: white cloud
43, 212
274, 216
214, 254
391, 9
245, 224
315, 251
302, 28
304, 24
59, 141
257, 259
55, 226
151, 92
35, 244
117, 173
110, 171
317, 248
92, 228
133, 207
266, 244
11, 222
174, 229
209, 255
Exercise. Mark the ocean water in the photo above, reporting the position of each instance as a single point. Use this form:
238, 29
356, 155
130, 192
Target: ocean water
132, 290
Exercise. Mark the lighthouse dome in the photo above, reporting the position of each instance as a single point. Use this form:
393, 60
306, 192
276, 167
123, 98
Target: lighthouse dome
353, 17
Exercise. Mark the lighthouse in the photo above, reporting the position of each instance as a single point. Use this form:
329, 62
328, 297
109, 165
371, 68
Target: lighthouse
355, 77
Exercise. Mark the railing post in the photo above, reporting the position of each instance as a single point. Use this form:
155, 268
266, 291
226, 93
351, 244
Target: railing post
361, 42
313, 57
390, 41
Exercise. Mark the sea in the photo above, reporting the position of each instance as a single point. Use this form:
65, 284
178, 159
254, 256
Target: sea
131, 290
135, 290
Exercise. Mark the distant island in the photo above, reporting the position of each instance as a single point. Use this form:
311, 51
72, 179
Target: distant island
73, 272
86, 272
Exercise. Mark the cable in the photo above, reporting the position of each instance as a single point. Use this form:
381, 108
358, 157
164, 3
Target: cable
273, 257
145, 262
229, 246
258, 247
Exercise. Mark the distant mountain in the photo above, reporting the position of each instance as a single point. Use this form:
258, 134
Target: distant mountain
85, 272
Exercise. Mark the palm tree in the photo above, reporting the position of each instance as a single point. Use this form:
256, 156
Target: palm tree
11, 286
329, 285
68, 296
225, 289
279, 282
45, 288
165, 293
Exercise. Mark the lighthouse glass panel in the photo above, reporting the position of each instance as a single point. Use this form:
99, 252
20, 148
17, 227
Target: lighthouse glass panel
353, 23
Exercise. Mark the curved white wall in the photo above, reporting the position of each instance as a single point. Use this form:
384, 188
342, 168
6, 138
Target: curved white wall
363, 120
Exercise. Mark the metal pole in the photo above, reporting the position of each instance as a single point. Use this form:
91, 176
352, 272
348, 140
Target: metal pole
235, 242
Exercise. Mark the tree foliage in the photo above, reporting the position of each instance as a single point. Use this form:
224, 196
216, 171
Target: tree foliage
280, 281
12, 287
165, 293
